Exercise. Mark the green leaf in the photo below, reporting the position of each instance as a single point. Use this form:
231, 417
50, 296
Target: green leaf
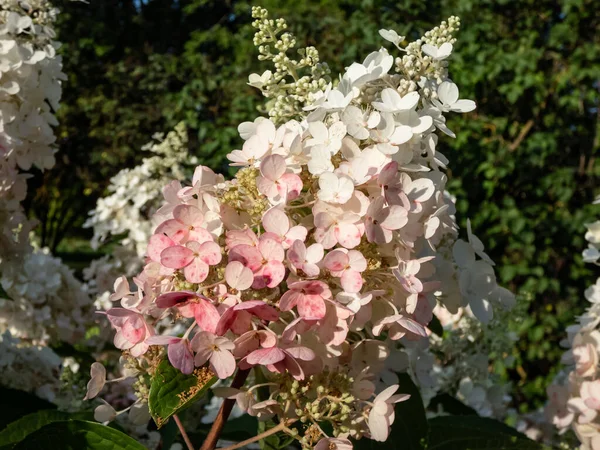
451, 405
78, 435
272, 442
21, 403
476, 433
410, 426
18, 430
172, 391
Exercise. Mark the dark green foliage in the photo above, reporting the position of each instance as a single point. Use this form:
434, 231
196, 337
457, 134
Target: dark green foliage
475, 433
77, 435
524, 166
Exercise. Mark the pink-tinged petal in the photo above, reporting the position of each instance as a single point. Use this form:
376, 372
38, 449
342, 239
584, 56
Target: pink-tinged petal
133, 330
314, 253
239, 237
297, 253
270, 249
157, 243
267, 187
324, 220
121, 342
377, 234
162, 340
413, 326
118, 316
389, 174
357, 261
196, 271
311, 270
276, 221
273, 167
302, 353
176, 257
289, 299
188, 215
378, 426
260, 309
311, 307
181, 357
242, 323
200, 235
225, 321
292, 366
210, 253
295, 233
266, 356
249, 256
351, 281
173, 229
171, 299
222, 363
336, 260
202, 356
271, 274
347, 234
207, 316
238, 276
246, 343
139, 349
293, 185
396, 218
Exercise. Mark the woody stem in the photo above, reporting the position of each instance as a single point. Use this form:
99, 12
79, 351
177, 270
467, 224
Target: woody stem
188, 443
282, 426
215, 431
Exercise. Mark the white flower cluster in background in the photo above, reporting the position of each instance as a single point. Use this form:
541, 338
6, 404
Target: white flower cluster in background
126, 213
464, 355
47, 303
574, 398
30, 89
136, 194
30, 368
40, 301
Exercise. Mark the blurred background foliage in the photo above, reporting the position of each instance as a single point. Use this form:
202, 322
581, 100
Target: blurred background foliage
524, 166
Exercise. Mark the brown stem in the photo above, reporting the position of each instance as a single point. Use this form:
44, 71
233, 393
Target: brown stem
258, 437
215, 431
186, 438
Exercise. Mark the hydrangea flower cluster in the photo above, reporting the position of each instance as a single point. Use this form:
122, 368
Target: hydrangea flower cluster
30, 78
325, 255
574, 399
46, 301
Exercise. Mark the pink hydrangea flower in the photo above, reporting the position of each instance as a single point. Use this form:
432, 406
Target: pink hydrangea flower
306, 259
186, 225
132, 330
309, 298
194, 258
216, 350
382, 220
179, 351
275, 183
277, 225
348, 266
